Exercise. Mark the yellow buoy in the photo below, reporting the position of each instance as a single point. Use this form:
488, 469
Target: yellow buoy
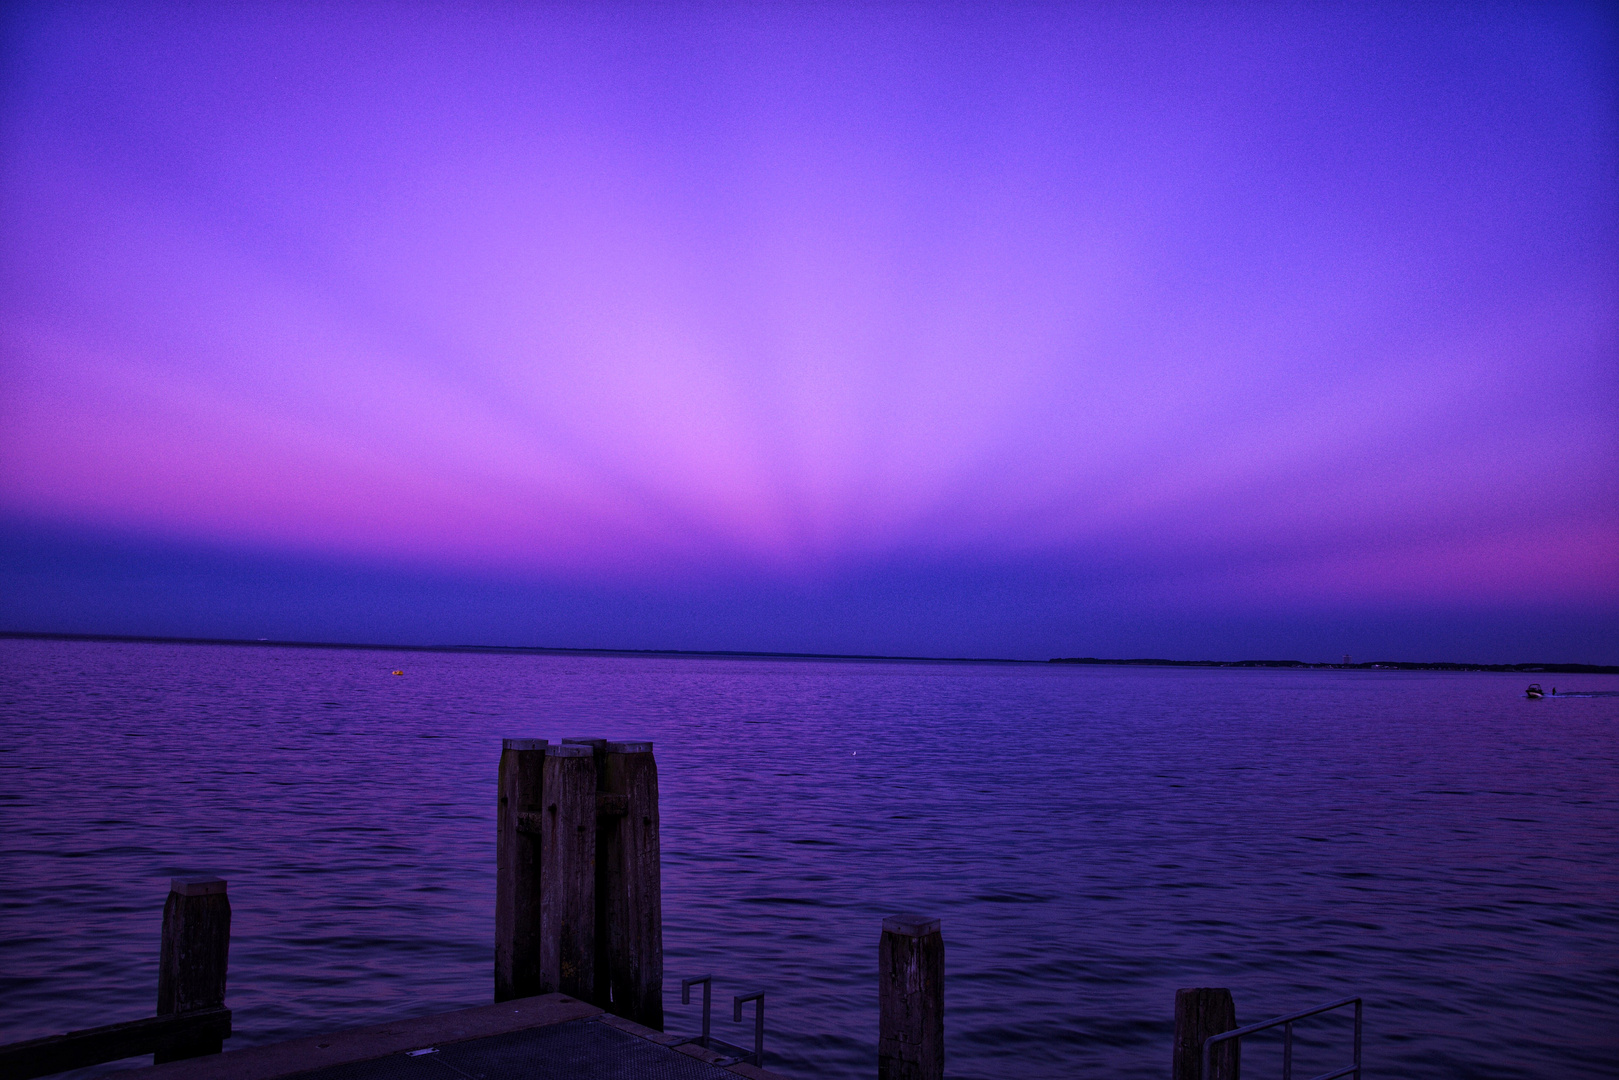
399, 673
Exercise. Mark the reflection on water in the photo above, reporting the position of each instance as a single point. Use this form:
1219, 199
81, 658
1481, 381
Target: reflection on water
1093, 838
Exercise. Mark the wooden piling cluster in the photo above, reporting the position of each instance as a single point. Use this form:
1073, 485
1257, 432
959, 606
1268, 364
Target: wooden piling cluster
578, 895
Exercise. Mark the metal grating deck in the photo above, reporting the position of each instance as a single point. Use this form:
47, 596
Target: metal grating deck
567, 1051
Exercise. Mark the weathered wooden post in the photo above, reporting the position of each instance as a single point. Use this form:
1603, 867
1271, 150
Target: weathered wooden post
1200, 1013
517, 869
598, 748
910, 1035
605, 826
568, 872
193, 958
633, 884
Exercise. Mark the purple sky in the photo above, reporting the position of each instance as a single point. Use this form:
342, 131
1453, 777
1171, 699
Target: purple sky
1104, 326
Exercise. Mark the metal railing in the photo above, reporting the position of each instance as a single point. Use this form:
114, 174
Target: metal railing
708, 996
707, 1040
758, 997
1286, 1024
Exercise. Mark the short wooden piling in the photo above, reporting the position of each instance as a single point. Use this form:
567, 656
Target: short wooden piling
517, 869
910, 1036
568, 872
193, 958
1200, 1013
633, 883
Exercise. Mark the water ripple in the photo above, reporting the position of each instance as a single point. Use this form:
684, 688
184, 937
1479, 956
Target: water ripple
1092, 838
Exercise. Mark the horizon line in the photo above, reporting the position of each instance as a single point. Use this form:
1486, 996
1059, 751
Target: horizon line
755, 654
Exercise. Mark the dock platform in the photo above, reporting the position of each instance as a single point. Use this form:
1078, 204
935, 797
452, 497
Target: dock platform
547, 1037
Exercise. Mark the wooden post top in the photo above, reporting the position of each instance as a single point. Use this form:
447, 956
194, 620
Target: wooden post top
640, 746
570, 750
522, 744
587, 740
910, 925
197, 886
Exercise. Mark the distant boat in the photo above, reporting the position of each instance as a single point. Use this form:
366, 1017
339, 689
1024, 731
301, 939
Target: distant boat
1534, 691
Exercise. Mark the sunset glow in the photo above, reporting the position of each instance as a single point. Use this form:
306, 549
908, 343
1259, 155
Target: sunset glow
1203, 309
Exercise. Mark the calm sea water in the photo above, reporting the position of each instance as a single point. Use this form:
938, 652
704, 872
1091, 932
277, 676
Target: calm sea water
1093, 838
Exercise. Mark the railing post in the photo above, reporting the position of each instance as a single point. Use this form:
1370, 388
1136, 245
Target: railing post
568, 872
758, 999
910, 1033
1200, 1013
517, 869
685, 999
193, 958
632, 938
1357, 1038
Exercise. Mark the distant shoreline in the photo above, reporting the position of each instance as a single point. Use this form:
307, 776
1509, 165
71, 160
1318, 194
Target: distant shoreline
741, 654
1370, 665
